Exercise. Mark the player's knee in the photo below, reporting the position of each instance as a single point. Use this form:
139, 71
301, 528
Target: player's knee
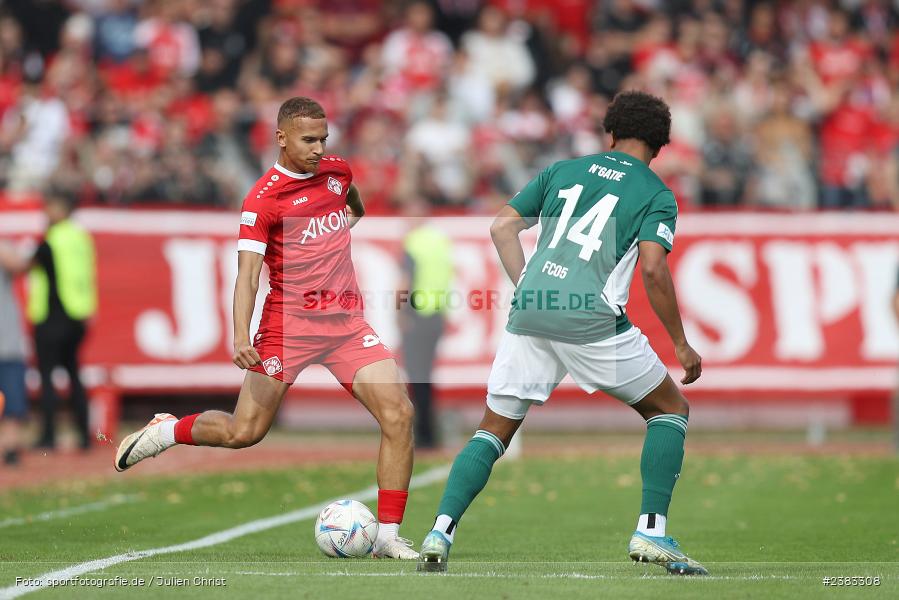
672, 403
396, 415
675, 405
244, 436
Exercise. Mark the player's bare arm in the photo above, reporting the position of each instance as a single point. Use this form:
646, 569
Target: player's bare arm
660, 290
249, 265
896, 305
354, 203
504, 232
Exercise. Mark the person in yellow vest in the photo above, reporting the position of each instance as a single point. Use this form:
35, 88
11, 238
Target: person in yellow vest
62, 296
428, 268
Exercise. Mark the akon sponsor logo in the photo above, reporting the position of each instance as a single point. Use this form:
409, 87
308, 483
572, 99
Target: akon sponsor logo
329, 223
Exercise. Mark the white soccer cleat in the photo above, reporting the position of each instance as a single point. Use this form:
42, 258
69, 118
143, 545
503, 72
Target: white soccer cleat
663, 551
394, 548
141, 444
434, 553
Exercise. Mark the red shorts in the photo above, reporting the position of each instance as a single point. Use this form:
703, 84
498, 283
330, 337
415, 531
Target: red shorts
343, 343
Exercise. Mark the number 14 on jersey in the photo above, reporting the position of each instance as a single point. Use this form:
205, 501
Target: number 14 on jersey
595, 218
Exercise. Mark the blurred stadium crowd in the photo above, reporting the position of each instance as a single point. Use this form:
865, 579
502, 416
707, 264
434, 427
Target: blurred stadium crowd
786, 104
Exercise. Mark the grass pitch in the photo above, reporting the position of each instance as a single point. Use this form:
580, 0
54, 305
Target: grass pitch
765, 526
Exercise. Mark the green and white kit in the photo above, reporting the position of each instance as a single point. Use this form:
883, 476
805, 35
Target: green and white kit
569, 309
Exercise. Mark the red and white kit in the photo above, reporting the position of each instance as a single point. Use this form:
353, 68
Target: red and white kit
313, 314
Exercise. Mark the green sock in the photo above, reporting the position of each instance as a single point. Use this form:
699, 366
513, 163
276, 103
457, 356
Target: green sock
663, 455
470, 473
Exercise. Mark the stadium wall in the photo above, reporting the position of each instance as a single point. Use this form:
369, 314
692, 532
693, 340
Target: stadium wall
786, 309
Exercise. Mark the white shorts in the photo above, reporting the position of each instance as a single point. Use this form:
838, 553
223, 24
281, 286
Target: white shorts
527, 369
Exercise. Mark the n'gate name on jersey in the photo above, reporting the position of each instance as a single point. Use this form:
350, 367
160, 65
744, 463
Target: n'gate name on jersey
606, 173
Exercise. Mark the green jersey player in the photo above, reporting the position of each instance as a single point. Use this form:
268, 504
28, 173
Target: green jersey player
597, 215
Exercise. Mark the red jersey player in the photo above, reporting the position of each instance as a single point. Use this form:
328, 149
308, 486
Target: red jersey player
295, 221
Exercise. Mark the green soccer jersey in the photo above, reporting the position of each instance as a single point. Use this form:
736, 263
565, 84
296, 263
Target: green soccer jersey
593, 211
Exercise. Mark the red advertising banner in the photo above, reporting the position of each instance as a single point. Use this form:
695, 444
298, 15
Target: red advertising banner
773, 302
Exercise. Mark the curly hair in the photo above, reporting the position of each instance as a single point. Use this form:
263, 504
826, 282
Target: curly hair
641, 116
300, 106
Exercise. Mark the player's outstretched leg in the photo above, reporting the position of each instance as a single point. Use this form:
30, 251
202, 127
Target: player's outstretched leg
467, 478
258, 402
379, 387
666, 412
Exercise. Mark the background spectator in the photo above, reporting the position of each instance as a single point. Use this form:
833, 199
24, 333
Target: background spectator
12, 360
896, 393
784, 174
726, 160
35, 131
415, 57
499, 52
788, 104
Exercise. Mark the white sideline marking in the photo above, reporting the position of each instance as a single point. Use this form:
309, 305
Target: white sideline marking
67, 512
498, 575
656, 574
371, 493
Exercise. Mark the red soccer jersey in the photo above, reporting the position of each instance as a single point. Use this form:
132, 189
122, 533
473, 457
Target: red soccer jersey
298, 221
838, 61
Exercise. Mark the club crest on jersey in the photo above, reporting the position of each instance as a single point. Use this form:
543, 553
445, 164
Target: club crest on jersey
335, 186
272, 366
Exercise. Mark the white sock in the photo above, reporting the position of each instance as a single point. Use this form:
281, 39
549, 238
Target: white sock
388, 531
167, 432
652, 524
445, 525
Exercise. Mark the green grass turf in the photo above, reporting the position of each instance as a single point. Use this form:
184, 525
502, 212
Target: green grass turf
766, 526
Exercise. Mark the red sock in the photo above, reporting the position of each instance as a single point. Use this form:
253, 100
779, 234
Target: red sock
391, 505
183, 428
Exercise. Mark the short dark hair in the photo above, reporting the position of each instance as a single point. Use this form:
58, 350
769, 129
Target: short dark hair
300, 106
640, 116
59, 196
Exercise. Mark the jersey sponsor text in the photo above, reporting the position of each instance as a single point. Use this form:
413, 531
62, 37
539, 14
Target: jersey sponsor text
329, 223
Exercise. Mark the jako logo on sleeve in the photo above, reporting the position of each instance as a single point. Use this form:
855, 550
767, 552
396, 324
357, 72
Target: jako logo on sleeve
248, 218
665, 233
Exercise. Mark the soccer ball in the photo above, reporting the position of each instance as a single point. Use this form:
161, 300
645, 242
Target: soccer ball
346, 529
